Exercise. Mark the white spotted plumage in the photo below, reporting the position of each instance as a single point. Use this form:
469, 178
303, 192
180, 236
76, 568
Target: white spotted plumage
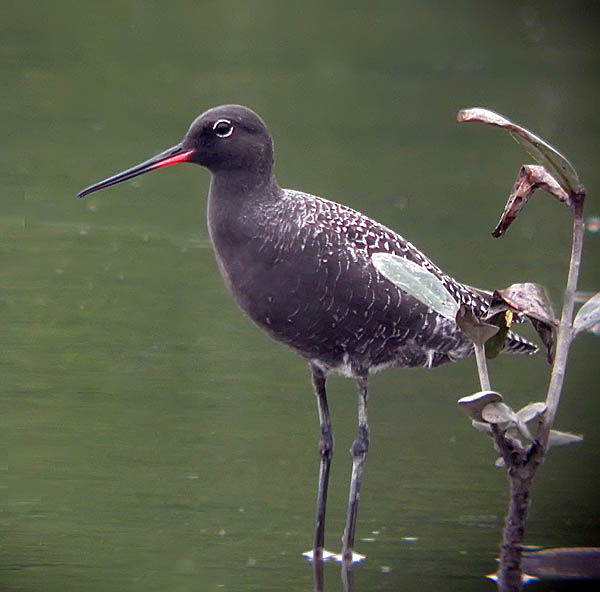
336, 309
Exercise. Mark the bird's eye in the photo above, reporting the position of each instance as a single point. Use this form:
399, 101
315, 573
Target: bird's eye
223, 128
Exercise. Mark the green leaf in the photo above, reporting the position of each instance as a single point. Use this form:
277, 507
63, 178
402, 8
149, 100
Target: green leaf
474, 404
588, 315
557, 438
531, 411
494, 345
482, 427
528, 413
548, 156
498, 413
523, 430
417, 281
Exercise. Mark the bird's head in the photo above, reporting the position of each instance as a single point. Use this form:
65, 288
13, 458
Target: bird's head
226, 138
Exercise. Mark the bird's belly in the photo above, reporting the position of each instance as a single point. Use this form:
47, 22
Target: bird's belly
342, 316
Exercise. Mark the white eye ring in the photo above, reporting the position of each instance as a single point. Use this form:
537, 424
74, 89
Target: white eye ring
225, 134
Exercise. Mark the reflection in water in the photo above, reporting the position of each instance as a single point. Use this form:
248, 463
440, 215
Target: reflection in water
347, 576
577, 563
318, 577
347, 568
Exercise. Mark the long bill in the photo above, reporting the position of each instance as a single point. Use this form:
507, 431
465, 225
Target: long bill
171, 156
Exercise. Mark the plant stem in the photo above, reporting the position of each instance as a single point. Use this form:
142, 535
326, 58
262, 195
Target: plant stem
522, 467
510, 572
565, 328
482, 370
498, 435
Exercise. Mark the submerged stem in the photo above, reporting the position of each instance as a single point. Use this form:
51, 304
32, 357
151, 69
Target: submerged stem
510, 573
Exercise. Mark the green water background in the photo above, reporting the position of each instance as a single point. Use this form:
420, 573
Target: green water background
155, 439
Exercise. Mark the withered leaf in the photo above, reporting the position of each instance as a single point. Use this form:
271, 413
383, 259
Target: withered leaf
475, 329
548, 156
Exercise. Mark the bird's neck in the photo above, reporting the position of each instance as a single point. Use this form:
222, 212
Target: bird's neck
237, 187
236, 208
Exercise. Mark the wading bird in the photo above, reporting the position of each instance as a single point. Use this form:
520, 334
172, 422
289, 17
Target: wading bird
300, 267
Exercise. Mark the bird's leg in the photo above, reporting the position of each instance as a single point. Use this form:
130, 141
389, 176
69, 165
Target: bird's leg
360, 446
326, 453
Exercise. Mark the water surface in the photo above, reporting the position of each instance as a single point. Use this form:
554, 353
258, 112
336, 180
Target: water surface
155, 439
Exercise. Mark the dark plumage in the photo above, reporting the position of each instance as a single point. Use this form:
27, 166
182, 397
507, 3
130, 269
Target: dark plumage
300, 267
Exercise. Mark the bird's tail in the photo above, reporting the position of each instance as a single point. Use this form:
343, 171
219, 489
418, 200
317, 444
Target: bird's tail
515, 344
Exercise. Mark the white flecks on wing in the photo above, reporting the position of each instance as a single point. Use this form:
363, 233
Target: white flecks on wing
340, 243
